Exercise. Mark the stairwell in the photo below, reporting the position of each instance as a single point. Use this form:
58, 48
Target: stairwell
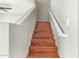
43, 42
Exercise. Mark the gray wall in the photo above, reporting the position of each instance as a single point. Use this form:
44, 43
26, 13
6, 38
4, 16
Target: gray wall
78, 28
4, 40
66, 12
20, 36
42, 9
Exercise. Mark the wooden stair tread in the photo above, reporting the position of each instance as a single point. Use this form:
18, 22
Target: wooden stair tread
44, 55
43, 36
33, 48
43, 30
43, 43
43, 40
42, 50
37, 51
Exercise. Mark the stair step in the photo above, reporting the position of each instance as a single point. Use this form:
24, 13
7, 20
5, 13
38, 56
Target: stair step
46, 42
43, 32
35, 48
47, 52
47, 32
42, 29
40, 51
40, 55
43, 45
42, 40
42, 25
42, 35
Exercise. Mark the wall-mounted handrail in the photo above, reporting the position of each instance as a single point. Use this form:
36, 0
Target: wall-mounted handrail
57, 21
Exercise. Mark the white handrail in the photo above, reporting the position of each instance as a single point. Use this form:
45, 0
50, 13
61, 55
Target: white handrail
59, 29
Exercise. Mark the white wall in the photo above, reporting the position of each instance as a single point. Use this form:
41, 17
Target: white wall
21, 35
78, 28
67, 10
4, 40
42, 9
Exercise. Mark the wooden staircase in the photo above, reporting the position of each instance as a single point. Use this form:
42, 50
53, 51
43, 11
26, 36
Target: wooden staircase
43, 43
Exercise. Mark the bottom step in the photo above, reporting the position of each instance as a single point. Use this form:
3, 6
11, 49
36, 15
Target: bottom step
43, 55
